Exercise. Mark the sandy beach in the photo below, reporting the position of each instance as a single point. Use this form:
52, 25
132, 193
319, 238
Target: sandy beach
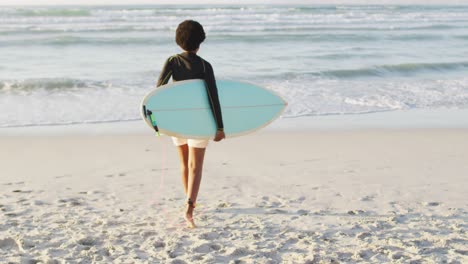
330, 196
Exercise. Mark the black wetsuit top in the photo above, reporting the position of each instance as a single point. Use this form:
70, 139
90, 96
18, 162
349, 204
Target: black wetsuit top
186, 66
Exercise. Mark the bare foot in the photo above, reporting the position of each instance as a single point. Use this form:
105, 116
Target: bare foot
189, 216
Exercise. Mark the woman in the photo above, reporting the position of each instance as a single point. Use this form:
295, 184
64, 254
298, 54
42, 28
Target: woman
185, 66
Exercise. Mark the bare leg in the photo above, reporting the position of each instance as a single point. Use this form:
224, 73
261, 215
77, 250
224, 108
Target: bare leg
183, 155
195, 165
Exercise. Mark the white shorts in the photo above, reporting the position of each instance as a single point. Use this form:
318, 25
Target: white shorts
194, 143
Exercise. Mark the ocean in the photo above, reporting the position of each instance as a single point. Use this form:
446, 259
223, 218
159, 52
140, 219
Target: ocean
73, 65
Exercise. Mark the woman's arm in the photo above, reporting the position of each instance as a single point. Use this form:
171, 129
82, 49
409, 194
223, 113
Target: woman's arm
166, 72
212, 91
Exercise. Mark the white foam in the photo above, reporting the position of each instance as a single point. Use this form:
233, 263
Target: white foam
325, 97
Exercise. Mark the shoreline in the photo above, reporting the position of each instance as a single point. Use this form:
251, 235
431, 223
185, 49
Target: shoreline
410, 119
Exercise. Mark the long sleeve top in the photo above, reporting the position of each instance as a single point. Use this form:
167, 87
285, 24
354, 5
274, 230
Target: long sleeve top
186, 66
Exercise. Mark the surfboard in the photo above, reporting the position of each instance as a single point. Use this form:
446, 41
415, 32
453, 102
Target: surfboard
182, 109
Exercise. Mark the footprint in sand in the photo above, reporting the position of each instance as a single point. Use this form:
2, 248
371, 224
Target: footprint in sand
21, 191
276, 211
70, 202
22, 200
159, 244
302, 212
11, 214
461, 252
397, 255
367, 198
298, 200
8, 244
224, 205
363, 235
239, 252
87, 241
256, 236
146, 234
178, 261
209, 235
206, 248
364, 254
356, 212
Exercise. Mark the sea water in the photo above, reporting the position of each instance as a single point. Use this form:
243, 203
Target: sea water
72, 65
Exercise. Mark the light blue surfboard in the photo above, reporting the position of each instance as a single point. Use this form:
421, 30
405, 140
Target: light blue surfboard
182, 109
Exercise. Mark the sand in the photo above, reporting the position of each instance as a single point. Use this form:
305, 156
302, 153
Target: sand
328, 196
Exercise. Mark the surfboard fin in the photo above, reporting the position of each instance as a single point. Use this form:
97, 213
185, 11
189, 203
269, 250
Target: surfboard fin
149, 114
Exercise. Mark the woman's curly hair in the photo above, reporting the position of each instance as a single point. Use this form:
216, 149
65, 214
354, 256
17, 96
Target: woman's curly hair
189, 35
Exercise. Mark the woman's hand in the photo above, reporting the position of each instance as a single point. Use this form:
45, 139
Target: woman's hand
219, 135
